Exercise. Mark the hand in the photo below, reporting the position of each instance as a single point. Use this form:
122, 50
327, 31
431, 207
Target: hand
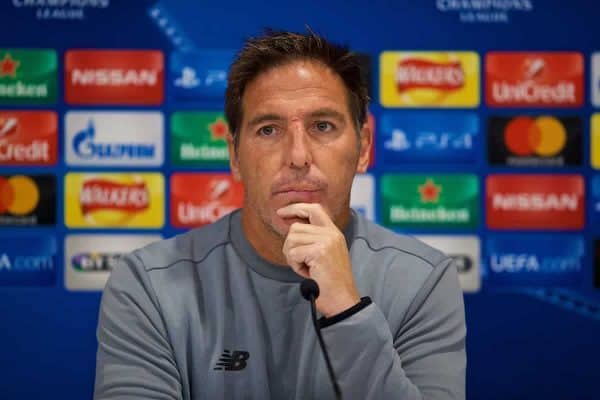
318, 250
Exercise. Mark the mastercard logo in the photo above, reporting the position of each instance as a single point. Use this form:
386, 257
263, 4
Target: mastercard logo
19, 195
543, 136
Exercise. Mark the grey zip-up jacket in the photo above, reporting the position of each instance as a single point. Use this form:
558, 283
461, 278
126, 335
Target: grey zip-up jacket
203, 316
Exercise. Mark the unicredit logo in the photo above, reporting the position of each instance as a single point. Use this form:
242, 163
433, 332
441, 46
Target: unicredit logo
534, 79
8, 126
33, 152
215, 196
530, 91
28, 138
190, 213
535, 201
417, 73
99, 194
85, 147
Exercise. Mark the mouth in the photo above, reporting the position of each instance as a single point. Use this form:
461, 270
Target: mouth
298, 195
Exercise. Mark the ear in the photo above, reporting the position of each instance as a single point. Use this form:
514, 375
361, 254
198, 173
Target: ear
366, 141
234, 164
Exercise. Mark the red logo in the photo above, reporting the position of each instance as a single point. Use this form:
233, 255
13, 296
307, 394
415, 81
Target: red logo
8, 66
535, 202
219, 129
101, 194
425, 74
543, 136
534, 79
430, 192
28, 138
200, 199
130, 77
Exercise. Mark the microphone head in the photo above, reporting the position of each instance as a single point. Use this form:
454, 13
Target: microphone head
308, 288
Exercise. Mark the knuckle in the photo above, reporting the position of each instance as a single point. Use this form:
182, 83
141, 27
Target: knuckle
322, 250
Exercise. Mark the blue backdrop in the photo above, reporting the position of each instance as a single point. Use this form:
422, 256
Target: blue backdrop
524, 342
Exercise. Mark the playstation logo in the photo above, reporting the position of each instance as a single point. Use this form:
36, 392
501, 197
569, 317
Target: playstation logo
188, 79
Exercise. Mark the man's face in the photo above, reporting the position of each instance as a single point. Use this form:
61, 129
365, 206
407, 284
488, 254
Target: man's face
297, 144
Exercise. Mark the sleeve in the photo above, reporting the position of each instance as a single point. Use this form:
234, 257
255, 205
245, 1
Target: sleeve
425, 359
134, 358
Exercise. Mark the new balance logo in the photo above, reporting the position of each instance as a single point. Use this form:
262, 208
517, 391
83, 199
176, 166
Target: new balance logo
235, 361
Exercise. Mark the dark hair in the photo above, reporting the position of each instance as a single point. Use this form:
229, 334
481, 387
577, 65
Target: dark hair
277, 48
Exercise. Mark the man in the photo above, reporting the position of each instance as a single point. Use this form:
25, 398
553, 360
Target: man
216, 313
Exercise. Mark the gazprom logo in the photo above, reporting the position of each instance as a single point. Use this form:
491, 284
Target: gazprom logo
114, 138
85, 147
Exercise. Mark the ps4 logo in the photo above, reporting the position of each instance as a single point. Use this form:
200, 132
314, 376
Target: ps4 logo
189, 78
85, 147
427, 140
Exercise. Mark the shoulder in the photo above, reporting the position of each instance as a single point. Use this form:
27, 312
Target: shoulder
193, 246
376, 241
398, 271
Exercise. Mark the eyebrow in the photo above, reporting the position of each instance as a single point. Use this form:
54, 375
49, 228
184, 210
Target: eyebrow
327, 113
319, 113
264, 118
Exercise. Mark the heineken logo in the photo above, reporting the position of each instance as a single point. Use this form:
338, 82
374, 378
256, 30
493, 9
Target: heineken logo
8, 66
430, 192
218, 129
28, 77
199, 139
430, 201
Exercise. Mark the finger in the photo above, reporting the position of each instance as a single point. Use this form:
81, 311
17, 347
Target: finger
293, 210
298, 227
296, 239
315, 213
308, 254
296, 258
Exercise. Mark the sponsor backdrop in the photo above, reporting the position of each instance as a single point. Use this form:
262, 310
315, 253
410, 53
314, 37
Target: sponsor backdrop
487, 146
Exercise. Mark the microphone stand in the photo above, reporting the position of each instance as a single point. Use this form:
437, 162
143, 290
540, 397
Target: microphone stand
310, 291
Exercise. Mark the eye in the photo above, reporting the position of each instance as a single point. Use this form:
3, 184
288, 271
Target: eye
266, 130
324, 126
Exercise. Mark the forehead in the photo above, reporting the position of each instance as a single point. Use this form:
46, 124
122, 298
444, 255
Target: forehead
293, 88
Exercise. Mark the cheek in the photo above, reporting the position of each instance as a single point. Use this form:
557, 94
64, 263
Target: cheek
256, 174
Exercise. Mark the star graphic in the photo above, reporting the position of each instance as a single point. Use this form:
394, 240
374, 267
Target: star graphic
218, 129
430, 192
8, 66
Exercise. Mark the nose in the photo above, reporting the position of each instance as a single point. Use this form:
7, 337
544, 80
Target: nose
298, 151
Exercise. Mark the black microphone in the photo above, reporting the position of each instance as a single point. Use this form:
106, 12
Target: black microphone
310, 291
